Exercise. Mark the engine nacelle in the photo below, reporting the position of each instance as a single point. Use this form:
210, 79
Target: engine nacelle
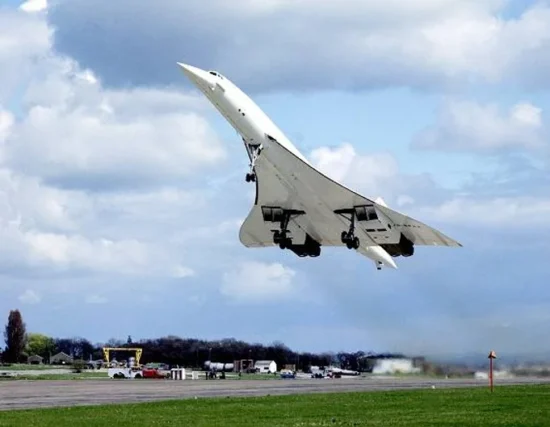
310, 247
405, 247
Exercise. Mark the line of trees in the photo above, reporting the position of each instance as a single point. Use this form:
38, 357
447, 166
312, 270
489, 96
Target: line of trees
173, 350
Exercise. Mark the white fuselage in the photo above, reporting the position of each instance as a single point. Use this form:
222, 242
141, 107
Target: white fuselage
242, 113
254, 125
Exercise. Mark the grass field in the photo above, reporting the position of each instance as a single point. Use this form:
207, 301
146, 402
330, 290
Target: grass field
62, 376
26, 367
508, 406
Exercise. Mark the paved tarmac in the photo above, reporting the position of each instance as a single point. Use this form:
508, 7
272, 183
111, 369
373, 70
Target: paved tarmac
43, 393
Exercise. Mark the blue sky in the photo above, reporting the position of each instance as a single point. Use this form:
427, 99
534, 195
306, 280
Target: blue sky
123, 189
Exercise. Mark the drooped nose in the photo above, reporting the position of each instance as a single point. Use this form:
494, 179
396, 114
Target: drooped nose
197, 76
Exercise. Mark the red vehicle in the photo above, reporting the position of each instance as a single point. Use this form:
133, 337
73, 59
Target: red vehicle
153, 373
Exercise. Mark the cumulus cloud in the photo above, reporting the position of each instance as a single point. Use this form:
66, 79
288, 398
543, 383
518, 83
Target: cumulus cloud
76, 134
520, 212
257, 281
96, 177
71, 148
344, 164
333, 44
378, 175
6, 122
25, 39
469, 126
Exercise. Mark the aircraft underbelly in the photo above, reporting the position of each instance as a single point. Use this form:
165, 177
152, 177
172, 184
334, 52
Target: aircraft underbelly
320, 222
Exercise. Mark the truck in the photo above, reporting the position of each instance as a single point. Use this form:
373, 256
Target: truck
152, 373
125, 372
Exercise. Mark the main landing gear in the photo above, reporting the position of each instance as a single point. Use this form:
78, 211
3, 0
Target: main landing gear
280, 237
310, 247
350, 240
348, 237
253, 152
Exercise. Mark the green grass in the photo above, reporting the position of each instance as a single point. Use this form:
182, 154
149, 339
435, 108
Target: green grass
68, 376
508, 406
25, 367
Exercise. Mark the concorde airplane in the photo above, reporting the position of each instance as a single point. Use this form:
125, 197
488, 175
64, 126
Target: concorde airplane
299, 208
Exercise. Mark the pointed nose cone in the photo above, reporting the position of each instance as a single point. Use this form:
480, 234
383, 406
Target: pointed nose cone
200, 78
192, 72
391, 263
197, 76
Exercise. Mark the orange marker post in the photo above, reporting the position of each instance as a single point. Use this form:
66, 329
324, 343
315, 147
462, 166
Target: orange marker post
492, 355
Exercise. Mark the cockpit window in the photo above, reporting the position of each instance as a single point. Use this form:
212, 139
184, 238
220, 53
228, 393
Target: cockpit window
214, 73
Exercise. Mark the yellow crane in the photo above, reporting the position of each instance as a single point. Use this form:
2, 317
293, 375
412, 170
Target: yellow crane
107, 350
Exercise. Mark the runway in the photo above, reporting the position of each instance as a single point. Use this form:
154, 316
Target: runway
43, 393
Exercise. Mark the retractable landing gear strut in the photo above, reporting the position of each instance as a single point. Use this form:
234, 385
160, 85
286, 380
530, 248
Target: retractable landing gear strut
348, 237
253, 153
280, 237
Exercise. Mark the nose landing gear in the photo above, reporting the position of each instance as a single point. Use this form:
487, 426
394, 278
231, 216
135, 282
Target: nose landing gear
253, 152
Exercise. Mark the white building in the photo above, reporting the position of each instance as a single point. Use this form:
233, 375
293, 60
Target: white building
265, 366
394, 366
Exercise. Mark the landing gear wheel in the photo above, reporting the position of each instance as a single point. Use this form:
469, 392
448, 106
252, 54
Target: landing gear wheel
351, 241
285, 243
344, 236
250, 177
280, 238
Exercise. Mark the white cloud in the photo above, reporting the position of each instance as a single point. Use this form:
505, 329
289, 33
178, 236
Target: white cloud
25, 38
378, 176
33, 205
76, 252
30, 297
420, 43
79, 134
6, 123
33, 6
44, 227
368, 173
259, 282
466, 125
150, 227
516, 212
69, 131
